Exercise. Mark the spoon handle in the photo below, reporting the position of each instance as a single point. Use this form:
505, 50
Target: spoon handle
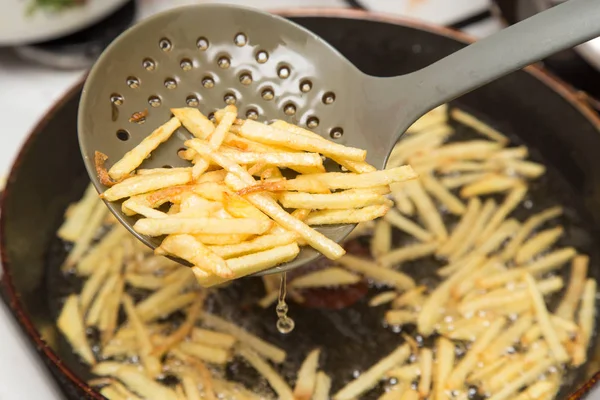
561, 27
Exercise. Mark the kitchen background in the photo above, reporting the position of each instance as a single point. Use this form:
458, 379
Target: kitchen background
44, 54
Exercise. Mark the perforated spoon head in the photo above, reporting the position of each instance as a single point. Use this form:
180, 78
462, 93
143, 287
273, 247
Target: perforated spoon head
208, 56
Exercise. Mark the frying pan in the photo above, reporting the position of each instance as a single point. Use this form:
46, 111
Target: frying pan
531, 106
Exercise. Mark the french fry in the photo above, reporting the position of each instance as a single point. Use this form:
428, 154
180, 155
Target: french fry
93, 315
190, 388
93, 284
488, 184
213, 355
470, 329
381, 243
269, 135
70, 323
400, 317
263, 348
179, 280
250, 264
408, 226
336, 201
77, 220
192, 250
527, 169
110, 313
348, 216
453, 182
472, 122
146, 387
382, 298
509, 337
479, 223
511, 153
373, 271
277, 383
146, 183
426, 209
451, 268
257, 244
307, 376
511, 201
537, 244
194, 121
558, 351
489, 369
461, 231
83, 242
111, 393
407, 253
279, 159
471, 150
469, 361
579, 270
212, 338
322, 386
133, 158
587, 313
149, 282
443, 195
536, 390
406, 373
182, 225
411, 297
332, 276
182, 331
437, 116
495, 240
526, 378
370, 377
444, 363
403, 203
426, 372
419, 144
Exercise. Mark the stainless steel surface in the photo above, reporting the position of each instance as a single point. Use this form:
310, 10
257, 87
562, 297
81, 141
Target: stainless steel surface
372, 112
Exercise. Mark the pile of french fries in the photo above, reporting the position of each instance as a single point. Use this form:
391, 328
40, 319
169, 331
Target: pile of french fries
222, 219
492, 302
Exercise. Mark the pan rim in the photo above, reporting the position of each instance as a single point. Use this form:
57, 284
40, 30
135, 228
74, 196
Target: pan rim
8, 290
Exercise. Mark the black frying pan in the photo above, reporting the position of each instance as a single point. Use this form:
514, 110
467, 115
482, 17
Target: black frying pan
529, 105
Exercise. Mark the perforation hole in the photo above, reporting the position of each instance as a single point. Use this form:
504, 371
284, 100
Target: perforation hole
312, 122
165, 44
245, 78
123, 135
240, 39
229, 99
305, 86
252, 113
284, 72
336, 133
202, 43
224, 62
262, 57
154, 101
116, 99
133, 82
148, 64
208, 82
289, 109
186, 64
170, 83
267, 94
328, 98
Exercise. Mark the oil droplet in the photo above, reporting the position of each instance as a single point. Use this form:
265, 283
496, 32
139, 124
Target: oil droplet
223, 62
229, 99
116, 99
192, 101
289, 109
170, 83
305, 86
154, 101
252, 113
208, 82
284, 323
148, 64
283, 72
245, 78
202, 43
312, 122
165, 44
262, 57
336, 133
133, 82
186, 64
328, 98
240, 39
267, 94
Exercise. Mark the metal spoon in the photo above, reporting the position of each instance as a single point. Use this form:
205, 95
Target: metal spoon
207, 56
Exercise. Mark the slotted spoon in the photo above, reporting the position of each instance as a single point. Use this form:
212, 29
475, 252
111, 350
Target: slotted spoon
207, 56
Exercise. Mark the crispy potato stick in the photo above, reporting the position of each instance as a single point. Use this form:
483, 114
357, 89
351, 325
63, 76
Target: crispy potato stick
70, 323
400, 317
520, 152
222, 240
467, 166
141, 384
149, 282
485, 372
381, 242
205, 353
408, 226
239, 207
407, 253
489, 207
425, 371
150, 362
133, 158
405, 373
512, 200
173, 304
537, 244
160, 170
439, 191
322, 386
144, 210
183, 330
111, 393
269, 135
191, 389
558, 351
257, 244
508, 390
412, 298
453, 182
370, 377
469, 150
472, 122
471, 358
527, 169
383, 298
451, 268
110, 313
278, 159
182, 225
403, 203
426, 209
379, 274
495, 240
579, 270
179, 280
340, 200
93, 284
410, 394
488, 184
444, 363
275, 380
212, 338
509, 337
82, 244
536, 391
146, 183
266, 204
244, 337
95, 312
81, 212
190, 249
354, 166
348, 216
491, 267
307, 376
332, 276
194, 121
462, 229
418, 144
469, 329
250, 264
585, 319
535, 332
437, 116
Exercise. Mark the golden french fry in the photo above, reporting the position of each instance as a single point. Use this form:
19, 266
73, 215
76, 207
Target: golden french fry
194, 121
212, 338
209, 354
412, 297
489, 369
382, 275
444, 196
93, 284
133, 158
400, 317
408, 226
495, 240
77, 221
190, 249
279, 159
110, 313
407, 253
537, 244
141, 384
307, 376
462, 229
332, 276
275, 380
512, 199
381, 242
95, 312
419, 144
453, 182
322, 386
144, 210
406, 373
585, 319
349, 216
426, 209
257, 244
470, 150
183, 225
340, 200
506, 339
579, 270
370, 377
70, 323
488, 184
527, 169
426, 372
403, 203
482, 128
146, 183
489, 207
437, 116
382, 298
526, 378
444, 363
83, 242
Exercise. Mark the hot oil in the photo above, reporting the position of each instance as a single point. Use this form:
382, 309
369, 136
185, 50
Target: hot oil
284, 323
